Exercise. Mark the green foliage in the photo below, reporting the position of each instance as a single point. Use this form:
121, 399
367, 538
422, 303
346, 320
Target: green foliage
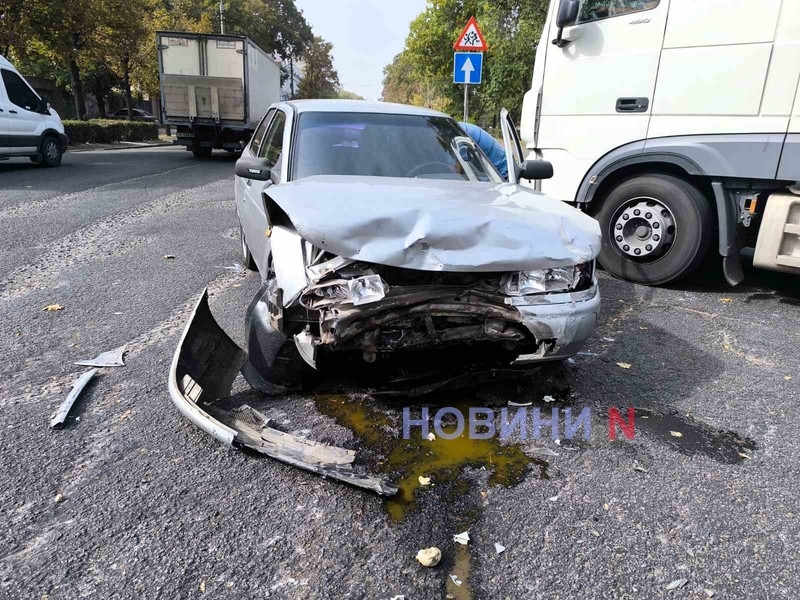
107, 131
320, 79
100, 44
346, 95
423, 73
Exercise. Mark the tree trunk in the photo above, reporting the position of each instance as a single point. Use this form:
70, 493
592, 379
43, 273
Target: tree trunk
77, 89
126, 85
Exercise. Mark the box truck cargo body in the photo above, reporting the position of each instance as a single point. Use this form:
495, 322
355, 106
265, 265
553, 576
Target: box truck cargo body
214, 88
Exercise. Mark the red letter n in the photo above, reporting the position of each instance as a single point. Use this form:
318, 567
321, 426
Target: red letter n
614, 418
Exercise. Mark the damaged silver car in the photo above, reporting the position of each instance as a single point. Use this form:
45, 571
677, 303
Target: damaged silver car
383, 233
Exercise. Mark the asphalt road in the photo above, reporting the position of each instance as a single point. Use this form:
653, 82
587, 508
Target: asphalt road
129, 500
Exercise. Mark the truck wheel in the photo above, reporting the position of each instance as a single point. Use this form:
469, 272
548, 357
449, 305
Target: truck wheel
247, 256
202, 152
50, 152
656, 229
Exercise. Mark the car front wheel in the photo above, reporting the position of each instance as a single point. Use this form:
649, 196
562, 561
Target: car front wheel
50, 151
656, 229
247, 256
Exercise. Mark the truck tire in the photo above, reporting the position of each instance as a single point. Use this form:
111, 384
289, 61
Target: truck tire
656, 229
247, 256
202, 152
50, 152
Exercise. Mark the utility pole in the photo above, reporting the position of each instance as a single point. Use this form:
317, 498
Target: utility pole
221, 17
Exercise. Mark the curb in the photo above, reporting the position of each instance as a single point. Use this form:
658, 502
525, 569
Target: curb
83, 148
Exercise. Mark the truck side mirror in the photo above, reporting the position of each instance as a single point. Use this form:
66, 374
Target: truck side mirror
536, 169
250, 167
567, 15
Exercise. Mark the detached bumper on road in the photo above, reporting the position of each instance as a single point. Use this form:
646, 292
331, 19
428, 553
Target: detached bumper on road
204, 367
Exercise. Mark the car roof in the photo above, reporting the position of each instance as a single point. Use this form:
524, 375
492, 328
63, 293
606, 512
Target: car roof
362, 106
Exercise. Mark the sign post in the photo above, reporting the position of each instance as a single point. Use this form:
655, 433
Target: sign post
468, 59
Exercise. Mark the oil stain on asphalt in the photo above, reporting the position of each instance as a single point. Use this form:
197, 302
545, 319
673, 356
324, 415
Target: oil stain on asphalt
442, 460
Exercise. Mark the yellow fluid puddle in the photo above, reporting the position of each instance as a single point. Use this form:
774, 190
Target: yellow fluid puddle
442, 460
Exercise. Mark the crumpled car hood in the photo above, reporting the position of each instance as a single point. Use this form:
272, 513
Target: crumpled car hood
438, 225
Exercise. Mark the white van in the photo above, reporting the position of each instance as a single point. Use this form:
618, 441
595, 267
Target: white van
676, 123
28, 125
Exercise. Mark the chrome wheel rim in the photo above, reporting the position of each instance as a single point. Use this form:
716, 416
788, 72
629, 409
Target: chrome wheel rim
643, 229
51, 150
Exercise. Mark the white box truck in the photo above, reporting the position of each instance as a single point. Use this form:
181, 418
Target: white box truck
676, 123
214, 88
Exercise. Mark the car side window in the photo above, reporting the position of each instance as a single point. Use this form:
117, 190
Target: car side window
595, 10
258, 136
273, 142
18, 91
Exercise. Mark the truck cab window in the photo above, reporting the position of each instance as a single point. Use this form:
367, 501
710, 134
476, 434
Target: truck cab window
595, 10
18, 91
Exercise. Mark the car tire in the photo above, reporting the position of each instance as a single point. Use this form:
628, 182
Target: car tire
666, 221
247, 256
50, 152
202, 152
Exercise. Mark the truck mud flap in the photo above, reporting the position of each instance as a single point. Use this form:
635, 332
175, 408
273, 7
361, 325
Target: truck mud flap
203, 370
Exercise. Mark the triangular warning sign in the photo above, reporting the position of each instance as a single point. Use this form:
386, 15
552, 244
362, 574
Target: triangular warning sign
471, 38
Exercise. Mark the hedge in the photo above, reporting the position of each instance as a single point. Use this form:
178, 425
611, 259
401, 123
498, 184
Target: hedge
106, 131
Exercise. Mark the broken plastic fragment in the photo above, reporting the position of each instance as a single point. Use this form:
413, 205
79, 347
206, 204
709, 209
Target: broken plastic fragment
431, 437
462, 538
499, 548
112, 358
623, 365
549, 399
53, 308
429, 557
456, 580
61, 414
424, 481
676, 584
676, 434
367, 289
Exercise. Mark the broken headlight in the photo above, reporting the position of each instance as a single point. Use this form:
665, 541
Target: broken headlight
360, 290
548, 281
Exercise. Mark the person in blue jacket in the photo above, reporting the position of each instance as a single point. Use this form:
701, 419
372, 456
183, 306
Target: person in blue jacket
490, 146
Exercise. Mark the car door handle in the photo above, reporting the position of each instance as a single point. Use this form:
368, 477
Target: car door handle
633, 105
13, 112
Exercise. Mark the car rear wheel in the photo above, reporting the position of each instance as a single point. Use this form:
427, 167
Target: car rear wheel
50, 152
247, 256
656, 229
202, 152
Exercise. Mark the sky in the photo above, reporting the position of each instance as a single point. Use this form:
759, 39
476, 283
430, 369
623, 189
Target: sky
366, 35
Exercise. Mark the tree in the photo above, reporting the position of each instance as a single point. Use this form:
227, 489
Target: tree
320, 79
423, 73
346, 95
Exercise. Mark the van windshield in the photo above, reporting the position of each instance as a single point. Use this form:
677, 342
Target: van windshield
387, 145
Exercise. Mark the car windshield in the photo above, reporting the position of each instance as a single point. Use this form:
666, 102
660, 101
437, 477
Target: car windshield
387, 145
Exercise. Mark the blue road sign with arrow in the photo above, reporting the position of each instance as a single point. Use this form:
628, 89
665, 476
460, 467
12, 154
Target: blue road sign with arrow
468, 67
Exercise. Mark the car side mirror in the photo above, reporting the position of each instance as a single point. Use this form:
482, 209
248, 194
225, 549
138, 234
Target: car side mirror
44, 105
250, 167
536, 169
567, 15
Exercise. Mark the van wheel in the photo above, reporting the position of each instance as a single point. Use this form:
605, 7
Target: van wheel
247, 256
50, 152
656, 229
202, 152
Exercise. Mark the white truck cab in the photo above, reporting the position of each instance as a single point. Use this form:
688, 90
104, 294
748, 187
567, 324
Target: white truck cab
28, 125
676, 123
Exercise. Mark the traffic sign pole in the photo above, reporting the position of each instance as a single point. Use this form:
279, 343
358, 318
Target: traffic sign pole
466, 102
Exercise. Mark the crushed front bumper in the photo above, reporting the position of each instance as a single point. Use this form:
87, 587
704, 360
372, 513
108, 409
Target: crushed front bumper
203, 369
